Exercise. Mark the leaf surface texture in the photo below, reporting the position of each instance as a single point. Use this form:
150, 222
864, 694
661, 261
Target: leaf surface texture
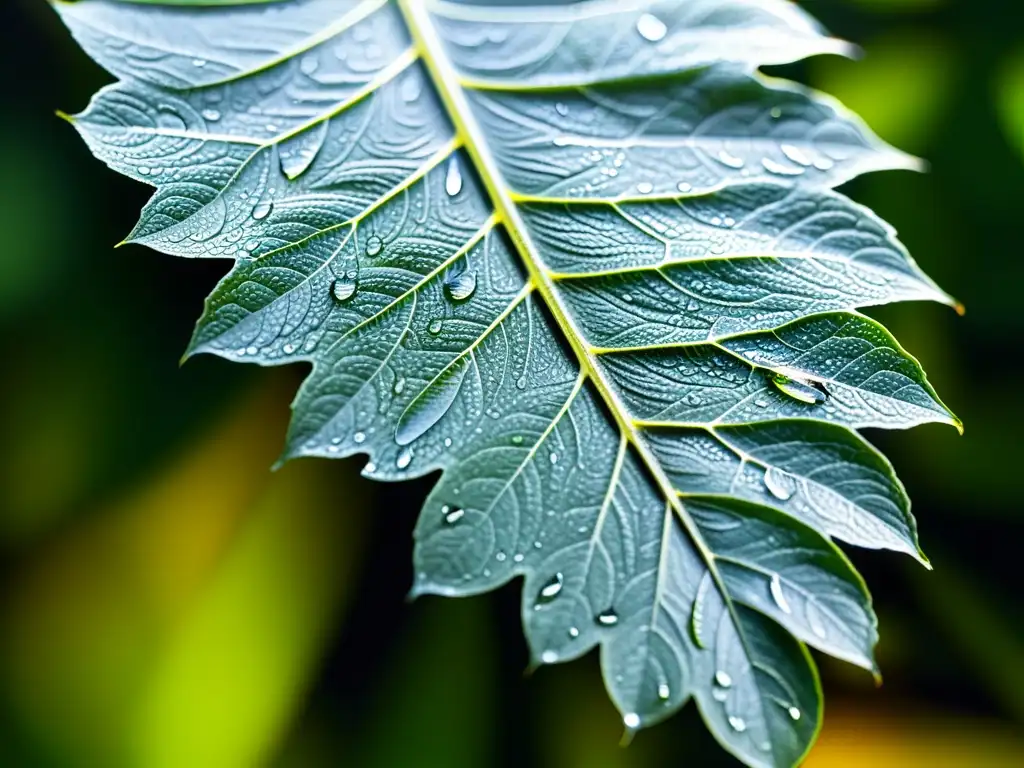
586, 261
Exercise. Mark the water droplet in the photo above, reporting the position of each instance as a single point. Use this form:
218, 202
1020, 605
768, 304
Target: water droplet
608, 618
664, 692
143, 170
801, 390
399, 387
359, 437
651, 28
454, 515
796, 154
738, 724
631, 720
574, 632
344, 288
550, 590
697, 611
447, 442
723, 679
794, 713
777, 594
374, 246
779, 169
262, 210
776, 112
453, 179
435, 327
549, 657
309, 64
719, 694
199, 62
461, 286
518, 558
779, 483
521, 382
211, 115
404, 458
730, 160
684, 187
645, 187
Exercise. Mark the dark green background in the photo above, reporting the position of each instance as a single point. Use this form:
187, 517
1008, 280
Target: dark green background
166, 600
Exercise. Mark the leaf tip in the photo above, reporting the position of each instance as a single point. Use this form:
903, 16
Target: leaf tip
630, 725
70, 119
959, 308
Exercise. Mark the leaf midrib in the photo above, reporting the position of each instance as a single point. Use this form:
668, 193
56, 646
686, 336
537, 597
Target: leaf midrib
450, 91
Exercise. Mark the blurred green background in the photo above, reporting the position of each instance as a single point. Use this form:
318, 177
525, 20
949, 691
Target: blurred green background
165, 600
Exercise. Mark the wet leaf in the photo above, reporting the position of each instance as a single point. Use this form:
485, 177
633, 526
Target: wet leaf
586, 261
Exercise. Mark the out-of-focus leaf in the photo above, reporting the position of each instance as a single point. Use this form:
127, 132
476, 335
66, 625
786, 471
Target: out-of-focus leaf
867, 737
901, 88
92, 620
599, 278
1010, 100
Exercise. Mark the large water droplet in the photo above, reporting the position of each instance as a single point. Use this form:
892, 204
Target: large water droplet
802, 390
460, 286
344, 288
550, 590
738, 724
262, 210
453, 178
631, 720
645, 187
779, 483
404, 458
574, 632
435, 327
794, 713
796, 154
549, 657
374, 246
777, 594
722, 678
664, 692
452, 516
608, 618
651, 28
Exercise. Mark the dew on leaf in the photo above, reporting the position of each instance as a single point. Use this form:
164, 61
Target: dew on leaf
461, 286
435, 327
794, 713
651, 28
262, 210
722, 678
801, 390
453, 178
738, 724
779, 483
404, 458
374, 246
344, 288
453, 516
777, 594
608, 619
664, 692
551, 590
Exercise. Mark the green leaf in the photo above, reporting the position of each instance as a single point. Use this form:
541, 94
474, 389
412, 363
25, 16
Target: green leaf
587, 262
